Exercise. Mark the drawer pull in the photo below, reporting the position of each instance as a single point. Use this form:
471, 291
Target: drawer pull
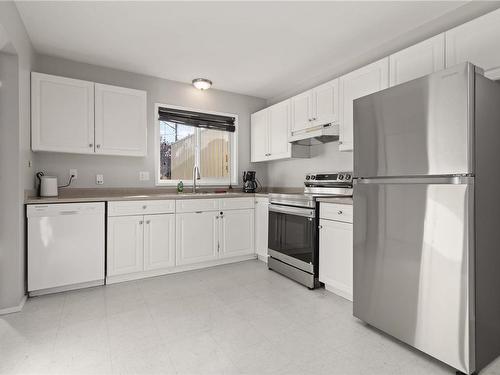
144, 207
340, 212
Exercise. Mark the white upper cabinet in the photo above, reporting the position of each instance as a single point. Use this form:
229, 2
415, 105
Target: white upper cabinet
259, 135
74, 116
318, 106
361, 82
120, 121
417, 61
269, 134
302, 111
326, 103
62, 114
279, 127
477, 42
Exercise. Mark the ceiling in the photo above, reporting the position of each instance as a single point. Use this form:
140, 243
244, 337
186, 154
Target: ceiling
256, 48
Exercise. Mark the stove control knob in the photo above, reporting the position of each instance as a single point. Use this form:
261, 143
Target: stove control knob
347, 176
313, 177
308, 177
341, 177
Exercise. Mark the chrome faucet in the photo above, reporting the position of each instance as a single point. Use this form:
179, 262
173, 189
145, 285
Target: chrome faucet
196, 176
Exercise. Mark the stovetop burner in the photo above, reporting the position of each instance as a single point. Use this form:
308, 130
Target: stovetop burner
337, 184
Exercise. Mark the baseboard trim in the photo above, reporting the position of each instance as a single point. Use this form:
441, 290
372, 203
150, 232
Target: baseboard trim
14, 309
340, 291
65, 288
176, 269
262, 257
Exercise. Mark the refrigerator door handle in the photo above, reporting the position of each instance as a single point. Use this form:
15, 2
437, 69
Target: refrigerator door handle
455, 180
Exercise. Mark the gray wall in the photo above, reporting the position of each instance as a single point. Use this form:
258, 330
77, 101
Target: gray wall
324, 158
124, 171
15, 173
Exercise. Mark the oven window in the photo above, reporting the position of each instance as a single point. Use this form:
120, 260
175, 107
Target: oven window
292, 235
297, 238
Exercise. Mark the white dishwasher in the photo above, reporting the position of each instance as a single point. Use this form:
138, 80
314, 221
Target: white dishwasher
65, 246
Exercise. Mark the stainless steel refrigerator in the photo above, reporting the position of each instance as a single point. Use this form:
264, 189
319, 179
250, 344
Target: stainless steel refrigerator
427, 215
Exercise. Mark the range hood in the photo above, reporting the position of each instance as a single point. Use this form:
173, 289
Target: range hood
316, 135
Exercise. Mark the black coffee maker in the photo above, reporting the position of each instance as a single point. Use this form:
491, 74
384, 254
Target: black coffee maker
249, 182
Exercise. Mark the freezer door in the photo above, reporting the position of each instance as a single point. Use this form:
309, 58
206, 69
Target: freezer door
412, 264
422, 127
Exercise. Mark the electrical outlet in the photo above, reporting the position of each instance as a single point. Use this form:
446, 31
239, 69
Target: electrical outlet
144, 176
74, 173
99, 179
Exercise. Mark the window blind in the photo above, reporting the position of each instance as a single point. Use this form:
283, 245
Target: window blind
197, 119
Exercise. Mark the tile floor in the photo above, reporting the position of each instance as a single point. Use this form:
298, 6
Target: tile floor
232, 319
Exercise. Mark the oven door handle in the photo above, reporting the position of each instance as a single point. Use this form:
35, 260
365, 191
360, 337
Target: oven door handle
298, 211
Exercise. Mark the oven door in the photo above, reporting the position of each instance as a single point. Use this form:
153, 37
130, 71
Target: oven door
292, 236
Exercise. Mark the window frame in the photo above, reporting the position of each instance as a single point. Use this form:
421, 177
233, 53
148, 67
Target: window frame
233, 147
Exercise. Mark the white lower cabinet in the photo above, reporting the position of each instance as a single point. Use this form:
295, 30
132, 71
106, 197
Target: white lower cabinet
143, 241
336, 255
140, 243
125, 245
159, 241
197, 237
261, 224
205, 236
236, 233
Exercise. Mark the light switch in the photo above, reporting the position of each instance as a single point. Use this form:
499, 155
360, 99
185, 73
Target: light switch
99, 179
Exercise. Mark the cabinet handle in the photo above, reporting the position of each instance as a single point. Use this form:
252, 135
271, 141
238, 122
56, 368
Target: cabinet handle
144, 207
148, 221
340, 142
320, 226
340, 212
91, 145
198, 212
98, 146
140, 222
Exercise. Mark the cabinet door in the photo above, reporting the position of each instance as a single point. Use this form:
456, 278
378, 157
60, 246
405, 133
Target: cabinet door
417, 61
236, 233
259, 135
120, 121
302, 113
62, 114
197, 236
326, 103
279, 128
261, 224
477, 42
125, 245
336, 257
361, 82
159, 241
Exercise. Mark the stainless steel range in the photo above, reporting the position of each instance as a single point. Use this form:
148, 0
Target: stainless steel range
293, 226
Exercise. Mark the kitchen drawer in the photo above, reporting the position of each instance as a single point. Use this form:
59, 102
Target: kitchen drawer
145, 207
335, 211
237, 203
194, 205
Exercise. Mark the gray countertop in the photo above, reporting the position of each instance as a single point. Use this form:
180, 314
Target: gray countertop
75, 195
346, 200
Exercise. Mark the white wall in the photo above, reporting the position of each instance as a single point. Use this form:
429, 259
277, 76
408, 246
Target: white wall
124, 171
15, 174
324, 158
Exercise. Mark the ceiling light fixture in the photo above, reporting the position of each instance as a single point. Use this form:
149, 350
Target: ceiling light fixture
202, 83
